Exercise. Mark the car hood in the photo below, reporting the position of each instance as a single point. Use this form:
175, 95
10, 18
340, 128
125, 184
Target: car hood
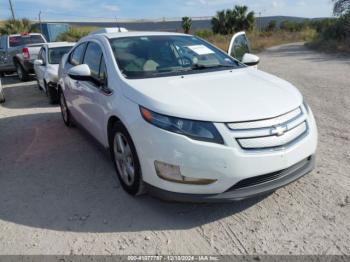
225, 96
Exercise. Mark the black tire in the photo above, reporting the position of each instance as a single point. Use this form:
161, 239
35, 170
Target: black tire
2, 74
38, 85
136, 187
51, 94
2, 97
66, 116
22, 74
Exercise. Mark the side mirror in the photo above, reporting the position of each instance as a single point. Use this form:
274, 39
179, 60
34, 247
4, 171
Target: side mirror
38, 62
80, 72
250, 59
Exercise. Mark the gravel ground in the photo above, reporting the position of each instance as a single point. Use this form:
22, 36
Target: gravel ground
60, 195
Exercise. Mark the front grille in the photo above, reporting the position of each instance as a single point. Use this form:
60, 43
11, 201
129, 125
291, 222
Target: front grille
254, 181
273, 133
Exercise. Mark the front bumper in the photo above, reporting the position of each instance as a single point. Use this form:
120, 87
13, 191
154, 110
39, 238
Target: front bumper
228, 164
263, 185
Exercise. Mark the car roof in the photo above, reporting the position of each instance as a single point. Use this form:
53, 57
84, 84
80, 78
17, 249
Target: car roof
136, 33
59, 44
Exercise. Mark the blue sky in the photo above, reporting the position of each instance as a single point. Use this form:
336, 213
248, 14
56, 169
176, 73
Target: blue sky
110, 9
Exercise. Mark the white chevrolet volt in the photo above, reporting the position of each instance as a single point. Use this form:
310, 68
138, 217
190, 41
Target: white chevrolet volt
184, 120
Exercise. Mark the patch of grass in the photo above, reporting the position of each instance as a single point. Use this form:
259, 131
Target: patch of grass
261, 40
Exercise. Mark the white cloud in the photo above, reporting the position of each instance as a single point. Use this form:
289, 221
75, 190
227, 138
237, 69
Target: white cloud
109, 7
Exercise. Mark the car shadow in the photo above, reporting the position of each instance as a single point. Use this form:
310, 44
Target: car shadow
56, 178
30, 95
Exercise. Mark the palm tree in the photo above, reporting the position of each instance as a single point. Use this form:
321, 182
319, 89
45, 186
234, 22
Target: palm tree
341, 6
229, 21
219, 22
242, 19
16, 26
186, 24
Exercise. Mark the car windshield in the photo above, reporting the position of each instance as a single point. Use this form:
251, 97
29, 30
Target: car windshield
21, 40
55, 54
156, 56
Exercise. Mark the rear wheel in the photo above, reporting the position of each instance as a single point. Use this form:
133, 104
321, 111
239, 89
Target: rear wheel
126, 161
22, 74
65, 111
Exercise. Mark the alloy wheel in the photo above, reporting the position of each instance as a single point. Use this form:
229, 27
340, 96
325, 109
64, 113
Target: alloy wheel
124, 159
64, 109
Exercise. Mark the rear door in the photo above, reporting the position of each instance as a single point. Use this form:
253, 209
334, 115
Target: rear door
239, 46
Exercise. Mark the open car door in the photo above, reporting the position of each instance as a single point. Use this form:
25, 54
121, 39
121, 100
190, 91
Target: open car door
241, 50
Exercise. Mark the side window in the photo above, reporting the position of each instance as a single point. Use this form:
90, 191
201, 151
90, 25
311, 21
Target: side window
2, 42
76, 56
93, 59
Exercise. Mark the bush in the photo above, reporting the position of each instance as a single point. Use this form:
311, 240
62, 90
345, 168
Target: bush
205, 33
334, 34
294, 26
74, 34
11, 26
271, 26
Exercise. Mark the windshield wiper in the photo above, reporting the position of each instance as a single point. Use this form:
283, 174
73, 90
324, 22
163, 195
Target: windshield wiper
201, 67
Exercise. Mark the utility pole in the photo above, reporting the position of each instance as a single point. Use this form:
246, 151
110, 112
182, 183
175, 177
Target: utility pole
118, 25
12, 11
41, 30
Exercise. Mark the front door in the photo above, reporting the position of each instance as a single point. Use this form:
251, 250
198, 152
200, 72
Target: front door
239, 46
93, 94
40, 69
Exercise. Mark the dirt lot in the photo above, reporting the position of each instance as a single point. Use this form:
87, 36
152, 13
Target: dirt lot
60, 195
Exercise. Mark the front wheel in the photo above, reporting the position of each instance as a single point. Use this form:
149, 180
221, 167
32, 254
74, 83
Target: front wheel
126, 160
51, 93
65, 111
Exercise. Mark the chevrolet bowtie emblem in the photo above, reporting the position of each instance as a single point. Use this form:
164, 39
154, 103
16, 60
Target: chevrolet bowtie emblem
279, 130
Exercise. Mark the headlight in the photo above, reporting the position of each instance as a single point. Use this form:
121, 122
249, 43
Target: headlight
197, 130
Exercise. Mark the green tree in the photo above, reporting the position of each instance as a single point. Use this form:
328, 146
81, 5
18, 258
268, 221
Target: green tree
271, 26
233, 20
220, 23
341, 6
16, 26
242, 20
186, 24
